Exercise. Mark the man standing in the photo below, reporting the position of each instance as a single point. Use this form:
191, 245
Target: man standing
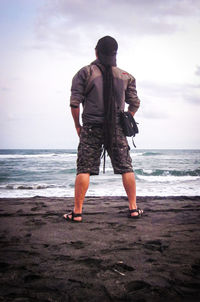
103, 89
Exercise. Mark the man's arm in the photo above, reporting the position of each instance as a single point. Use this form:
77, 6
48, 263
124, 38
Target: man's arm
78, 95
132, 97
76, 113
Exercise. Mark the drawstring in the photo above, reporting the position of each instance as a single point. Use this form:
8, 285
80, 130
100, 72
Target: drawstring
104, 159
133, 142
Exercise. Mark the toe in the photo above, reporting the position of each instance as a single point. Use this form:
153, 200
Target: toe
67, 216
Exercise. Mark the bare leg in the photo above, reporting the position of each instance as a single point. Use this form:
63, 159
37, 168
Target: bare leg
81, 186
130, 188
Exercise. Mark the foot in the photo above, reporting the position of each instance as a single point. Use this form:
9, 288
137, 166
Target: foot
73, 217
135, 213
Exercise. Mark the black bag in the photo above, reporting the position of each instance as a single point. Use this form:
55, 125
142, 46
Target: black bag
129, 124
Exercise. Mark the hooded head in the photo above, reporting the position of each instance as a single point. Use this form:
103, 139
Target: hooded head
106, 50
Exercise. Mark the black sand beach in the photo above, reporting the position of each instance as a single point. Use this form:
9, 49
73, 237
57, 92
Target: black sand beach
108, 257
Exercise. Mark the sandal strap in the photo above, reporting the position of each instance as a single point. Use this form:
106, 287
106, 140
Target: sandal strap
75, 215
138, 210
133, 211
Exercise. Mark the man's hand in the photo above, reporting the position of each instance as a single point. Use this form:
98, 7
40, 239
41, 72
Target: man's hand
131, 112
75, 114
78, 130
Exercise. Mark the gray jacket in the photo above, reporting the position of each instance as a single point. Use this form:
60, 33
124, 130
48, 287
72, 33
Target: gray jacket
87, 88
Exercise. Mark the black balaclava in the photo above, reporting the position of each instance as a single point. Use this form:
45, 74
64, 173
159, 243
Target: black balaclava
106, 52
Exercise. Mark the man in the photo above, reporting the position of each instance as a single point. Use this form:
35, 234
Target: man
103, 89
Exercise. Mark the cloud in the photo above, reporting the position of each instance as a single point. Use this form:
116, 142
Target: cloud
193, 99
154, 112
155, 89
172, 91
5, 89
72, 24
197, 71
192, 94
161, 101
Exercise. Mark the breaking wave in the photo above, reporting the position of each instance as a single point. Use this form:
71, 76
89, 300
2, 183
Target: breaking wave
30, 187
151, 154
159, 172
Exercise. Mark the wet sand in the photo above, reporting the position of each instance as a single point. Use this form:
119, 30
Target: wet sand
107, 257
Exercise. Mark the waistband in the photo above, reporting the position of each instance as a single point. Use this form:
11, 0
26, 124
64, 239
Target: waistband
93, 125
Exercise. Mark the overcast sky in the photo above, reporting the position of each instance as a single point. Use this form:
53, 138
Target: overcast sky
45, 42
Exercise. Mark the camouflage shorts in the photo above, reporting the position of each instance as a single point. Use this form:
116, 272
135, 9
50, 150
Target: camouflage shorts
90, 150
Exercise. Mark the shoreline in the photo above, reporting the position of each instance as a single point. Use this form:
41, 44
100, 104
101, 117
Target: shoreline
152, 197
108, 257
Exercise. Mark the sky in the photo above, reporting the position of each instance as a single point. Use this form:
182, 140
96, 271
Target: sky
45, 42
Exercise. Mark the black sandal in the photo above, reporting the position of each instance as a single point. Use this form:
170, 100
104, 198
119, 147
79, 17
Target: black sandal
139, 211
74, 215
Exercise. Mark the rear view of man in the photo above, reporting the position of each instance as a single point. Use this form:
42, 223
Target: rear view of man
103, 89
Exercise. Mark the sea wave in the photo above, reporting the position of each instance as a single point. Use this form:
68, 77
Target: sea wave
52, 173
134, 154
30, 187
167, 179
42, 155
160, 172
151, 153
67, 171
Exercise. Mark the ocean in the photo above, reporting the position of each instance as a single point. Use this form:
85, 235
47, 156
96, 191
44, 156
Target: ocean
51, 173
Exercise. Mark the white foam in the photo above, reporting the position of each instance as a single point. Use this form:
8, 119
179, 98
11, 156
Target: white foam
147, 171
102, 189
167, 178
42, 155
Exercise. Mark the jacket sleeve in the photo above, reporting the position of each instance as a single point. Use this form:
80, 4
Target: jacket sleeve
131, 97
78, 87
